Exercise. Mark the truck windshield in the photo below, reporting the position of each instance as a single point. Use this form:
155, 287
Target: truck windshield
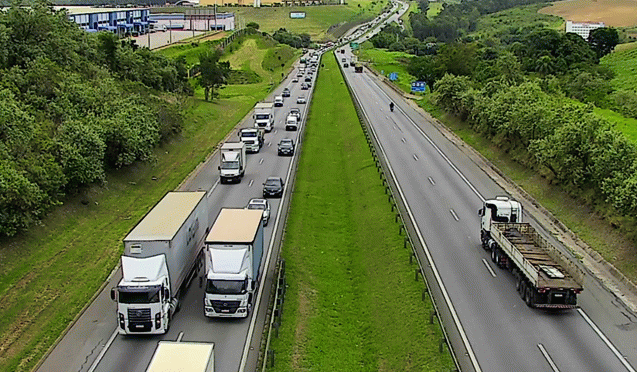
230, 165
145, 295
262, 116
248, 134
226, 286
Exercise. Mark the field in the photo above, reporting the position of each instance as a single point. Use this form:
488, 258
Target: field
386, 62
318, 20
345, 258
616, 13
49, 274
624, 64
434, 9
515, 18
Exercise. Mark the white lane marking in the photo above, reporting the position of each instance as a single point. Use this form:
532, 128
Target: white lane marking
434, 269
431, 181
213, 187
403, 139
103, 352
488, 267
180, 336
606, 341
431, 142
415, 157
261, 161
548, 358
253, 320
251, 182
453, 213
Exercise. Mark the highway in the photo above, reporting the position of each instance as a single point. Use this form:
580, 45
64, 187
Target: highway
92, 343
491, 327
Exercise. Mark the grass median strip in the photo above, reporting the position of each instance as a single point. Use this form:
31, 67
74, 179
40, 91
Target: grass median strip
352, 303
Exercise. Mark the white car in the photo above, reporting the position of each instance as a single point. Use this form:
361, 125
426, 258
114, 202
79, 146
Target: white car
301, 100
263, 205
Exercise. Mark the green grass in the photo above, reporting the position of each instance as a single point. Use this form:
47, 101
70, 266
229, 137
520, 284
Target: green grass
317, 21
434, 9
48, 274
628, 126
499, 23
345, 259
386, 62
413, 8
624, 63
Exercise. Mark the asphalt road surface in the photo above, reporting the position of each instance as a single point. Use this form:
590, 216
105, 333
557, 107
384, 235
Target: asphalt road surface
444, 190
92, 343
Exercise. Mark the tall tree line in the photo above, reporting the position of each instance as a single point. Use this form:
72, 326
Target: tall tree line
72, 106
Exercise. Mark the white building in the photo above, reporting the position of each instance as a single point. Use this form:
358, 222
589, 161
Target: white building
582, 29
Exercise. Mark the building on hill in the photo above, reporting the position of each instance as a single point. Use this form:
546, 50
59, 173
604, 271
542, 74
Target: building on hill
583, 29
121, 21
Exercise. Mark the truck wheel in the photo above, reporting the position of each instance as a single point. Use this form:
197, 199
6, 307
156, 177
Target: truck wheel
522, 290
518, 282
530, 301
494, 258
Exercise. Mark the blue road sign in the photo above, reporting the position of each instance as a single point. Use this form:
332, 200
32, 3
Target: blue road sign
418, 86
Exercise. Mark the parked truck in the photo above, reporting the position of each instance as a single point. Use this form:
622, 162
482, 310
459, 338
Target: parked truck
161, 254
253, 138
264, 116
173, 356
545, 277
234, 248
233, 161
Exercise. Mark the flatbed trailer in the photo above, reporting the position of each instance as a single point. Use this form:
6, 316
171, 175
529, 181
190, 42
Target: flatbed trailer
545, 277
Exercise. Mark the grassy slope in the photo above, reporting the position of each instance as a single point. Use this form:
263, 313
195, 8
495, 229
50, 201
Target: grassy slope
523, 16
434, 9
624, 63
317, 21
78, 243
345, 259
387, 62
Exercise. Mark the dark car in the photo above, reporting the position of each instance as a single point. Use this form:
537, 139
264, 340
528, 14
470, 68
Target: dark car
286, 147
286, 92
273, 187
308, 79
304, 86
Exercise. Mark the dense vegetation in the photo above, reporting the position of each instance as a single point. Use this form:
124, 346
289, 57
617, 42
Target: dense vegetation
535, 92
73, 106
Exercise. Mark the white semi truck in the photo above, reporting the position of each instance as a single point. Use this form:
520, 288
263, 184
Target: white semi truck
264, 116
173, 356
161, 254
252, 137
234, 248
233, 161
545, 277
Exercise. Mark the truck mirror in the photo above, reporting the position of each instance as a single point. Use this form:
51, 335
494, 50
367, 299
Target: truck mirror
113, 294
241, 167
219, 167
166, 294
481, 212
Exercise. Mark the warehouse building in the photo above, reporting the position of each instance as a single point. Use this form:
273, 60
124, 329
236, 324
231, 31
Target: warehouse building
117, 20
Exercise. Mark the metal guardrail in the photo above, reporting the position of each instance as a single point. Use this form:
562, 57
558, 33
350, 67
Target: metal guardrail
276, 305
406, 224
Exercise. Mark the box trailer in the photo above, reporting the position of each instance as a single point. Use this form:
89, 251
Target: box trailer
161, 254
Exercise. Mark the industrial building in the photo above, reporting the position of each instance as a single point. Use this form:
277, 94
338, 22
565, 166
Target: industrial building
122, 21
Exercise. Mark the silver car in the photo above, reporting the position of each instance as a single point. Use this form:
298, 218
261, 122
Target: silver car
260, 204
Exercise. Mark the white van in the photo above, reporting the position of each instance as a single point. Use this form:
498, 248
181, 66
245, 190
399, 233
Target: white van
278, 101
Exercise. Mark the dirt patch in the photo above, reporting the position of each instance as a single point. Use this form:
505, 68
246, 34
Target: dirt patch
306, 307
616, 13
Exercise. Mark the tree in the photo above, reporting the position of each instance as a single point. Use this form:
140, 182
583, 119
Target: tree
213, 73
253, 25
423, 5
603, 40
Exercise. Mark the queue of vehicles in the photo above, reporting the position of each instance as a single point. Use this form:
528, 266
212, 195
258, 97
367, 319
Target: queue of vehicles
167, 249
